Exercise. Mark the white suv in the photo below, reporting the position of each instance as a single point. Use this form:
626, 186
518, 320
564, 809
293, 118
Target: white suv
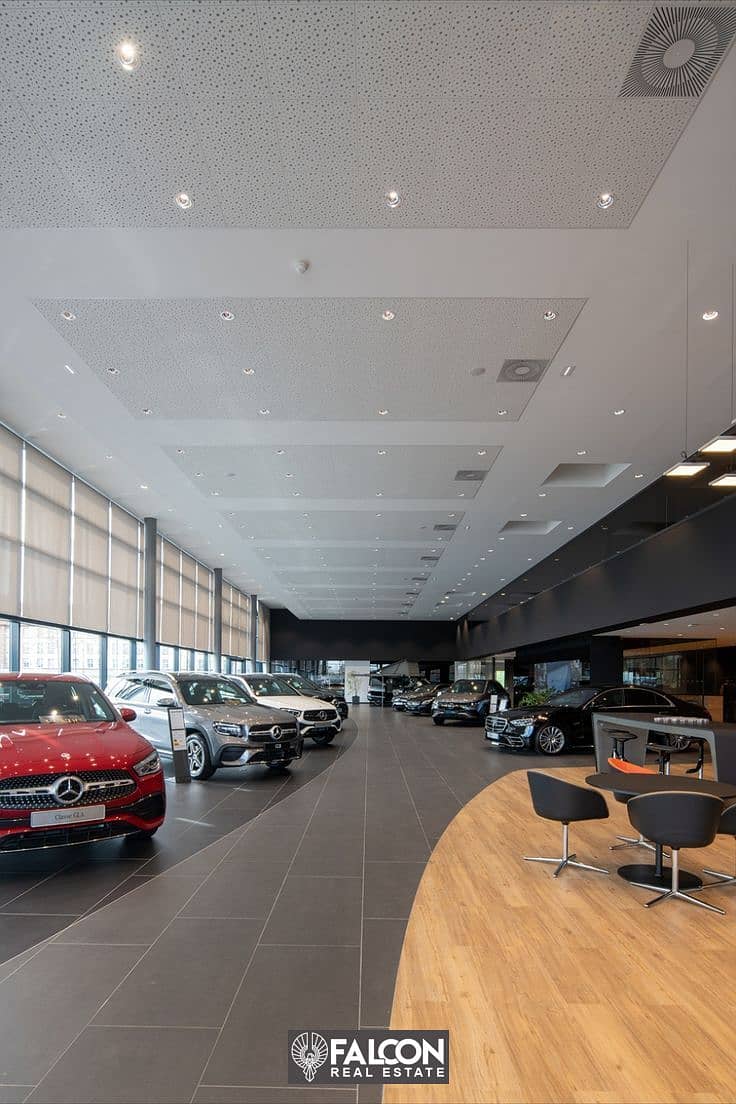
315, 718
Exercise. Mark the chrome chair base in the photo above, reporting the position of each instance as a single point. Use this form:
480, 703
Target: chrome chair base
682, 897
629, 841
565, 859
721, 879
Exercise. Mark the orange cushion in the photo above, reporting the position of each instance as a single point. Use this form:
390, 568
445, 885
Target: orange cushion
625, 767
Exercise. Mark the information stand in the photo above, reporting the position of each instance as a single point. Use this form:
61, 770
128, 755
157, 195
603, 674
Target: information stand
178, 734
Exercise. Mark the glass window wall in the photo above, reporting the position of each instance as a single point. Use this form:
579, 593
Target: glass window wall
40, 648
84, 651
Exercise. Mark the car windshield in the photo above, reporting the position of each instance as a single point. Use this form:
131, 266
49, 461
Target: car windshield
573, 698
52, 701
212, 691
302, 685
469, 686
266, 686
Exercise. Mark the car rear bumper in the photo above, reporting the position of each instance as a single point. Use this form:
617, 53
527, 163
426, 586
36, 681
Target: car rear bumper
144, 814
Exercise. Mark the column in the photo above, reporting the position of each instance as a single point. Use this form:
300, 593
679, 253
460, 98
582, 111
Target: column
149, 592
253, 632
217, 641
606, 661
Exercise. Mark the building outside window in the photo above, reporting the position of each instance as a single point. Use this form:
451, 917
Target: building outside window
200, 661
118, 655
4, 645
167, 660
40, 648
85, 654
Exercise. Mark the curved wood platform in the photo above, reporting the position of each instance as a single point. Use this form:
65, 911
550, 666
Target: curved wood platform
565, 989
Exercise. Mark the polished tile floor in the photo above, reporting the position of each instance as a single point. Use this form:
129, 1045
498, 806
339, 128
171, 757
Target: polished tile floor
268, 904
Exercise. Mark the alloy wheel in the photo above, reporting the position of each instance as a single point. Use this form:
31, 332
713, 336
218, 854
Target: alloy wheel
550, 740
195, 752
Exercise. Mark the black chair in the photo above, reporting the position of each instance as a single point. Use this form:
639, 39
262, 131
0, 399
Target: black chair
555, 799
726, 827
619, 740
677, 819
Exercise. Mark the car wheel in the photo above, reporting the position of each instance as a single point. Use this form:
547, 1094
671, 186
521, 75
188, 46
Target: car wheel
200, 762
280, 764
439, 720
551, 740
323, 741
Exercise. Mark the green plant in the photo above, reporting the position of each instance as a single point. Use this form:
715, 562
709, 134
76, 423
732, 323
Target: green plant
536, 697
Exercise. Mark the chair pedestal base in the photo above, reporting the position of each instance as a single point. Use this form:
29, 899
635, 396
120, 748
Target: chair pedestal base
675, 890
647, 875
630, 841
565, 859
721, 879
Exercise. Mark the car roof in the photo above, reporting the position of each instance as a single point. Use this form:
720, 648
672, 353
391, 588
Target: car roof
30, 676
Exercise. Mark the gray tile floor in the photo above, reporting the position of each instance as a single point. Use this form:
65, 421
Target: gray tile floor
287, 911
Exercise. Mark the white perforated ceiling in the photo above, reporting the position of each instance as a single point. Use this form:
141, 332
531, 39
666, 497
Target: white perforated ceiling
305, 113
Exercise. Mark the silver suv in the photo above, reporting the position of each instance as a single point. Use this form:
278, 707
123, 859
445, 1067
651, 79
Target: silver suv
225, 727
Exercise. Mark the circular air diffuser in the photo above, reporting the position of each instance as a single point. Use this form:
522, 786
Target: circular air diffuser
679, 51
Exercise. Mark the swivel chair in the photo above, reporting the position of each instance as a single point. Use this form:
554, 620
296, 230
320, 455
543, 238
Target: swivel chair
555, 799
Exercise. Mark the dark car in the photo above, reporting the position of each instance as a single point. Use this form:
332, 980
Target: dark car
310, 689
419, 702
381, 688
470, 700
566, 720
402, 697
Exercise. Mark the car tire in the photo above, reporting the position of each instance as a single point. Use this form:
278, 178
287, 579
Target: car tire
550, 740
323, 741
438, 720
200, 760
280, 765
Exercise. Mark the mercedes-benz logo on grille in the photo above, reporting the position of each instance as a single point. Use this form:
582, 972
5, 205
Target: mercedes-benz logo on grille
68, 789
276, 732
322, 715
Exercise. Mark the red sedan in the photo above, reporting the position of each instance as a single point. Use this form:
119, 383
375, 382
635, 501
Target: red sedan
72, 770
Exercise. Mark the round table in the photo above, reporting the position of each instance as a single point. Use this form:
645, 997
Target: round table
632, 784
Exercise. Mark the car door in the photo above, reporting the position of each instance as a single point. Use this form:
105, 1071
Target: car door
608, 701
133, 693
156, 711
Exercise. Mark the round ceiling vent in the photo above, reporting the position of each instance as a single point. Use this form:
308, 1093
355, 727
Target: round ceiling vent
680, 50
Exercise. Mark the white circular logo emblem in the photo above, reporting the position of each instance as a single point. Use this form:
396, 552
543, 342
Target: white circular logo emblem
309, 1052
68, 790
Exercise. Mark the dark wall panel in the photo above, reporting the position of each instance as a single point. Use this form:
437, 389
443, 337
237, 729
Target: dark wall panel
292, 638
689, 565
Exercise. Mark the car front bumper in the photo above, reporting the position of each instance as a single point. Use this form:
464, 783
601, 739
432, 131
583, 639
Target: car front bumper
146, 812
511, 738
242, 754
468, 715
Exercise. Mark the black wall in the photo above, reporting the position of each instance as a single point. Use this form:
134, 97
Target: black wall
292, 638
690, 565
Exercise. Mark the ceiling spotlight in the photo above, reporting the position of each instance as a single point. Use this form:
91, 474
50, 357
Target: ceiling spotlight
249, 371
549, 315
296, 494
280, 452
69, 369
570, 528
143, 486
181, 451
227, 316
567, 371
61, 414
461, 494
198, 475
68, 316
727, 480
482, 452
379, 515
379, 494
184, 200
501, 413
582, 452
523, 515
392, 198
710, 315
128, 55
542, 494
264, 411
382, 452
388, 316
383, 412
686, 469
288, 475
719, 444
109, 456
111, 371
215, 494
639, 475
604, 201
617, 413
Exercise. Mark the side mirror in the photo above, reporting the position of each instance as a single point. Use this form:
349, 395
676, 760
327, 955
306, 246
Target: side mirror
128, 714
164, 703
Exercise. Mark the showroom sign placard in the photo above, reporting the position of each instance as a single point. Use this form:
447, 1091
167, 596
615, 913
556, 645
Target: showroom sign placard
330, 1057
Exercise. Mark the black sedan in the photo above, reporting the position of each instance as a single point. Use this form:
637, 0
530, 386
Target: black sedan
309, 689
566, 720
419, 702
469, 700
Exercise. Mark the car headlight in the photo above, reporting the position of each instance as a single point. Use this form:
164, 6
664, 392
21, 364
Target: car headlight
522, 722
227, 729
294, 712
150, 765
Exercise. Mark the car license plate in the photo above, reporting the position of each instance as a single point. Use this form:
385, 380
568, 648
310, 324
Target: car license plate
50, 818
322, 728
277, 747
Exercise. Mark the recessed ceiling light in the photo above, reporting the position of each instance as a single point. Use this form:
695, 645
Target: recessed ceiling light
392, 198
280, 452
582, 452
727, 480
181, 451
542, 494
184, 200
461, 494
617, 413
143, 486
215, 494
567, 370
69, 369
570, 527
382, 452
109, 456
720, 444
501, 413
147, 410
710, 315
249, 371
549, 315
686, 469
523, 515
128, 55
264, 411
502, 538
198, 475
639, 475
383, 412
227, 316
528, 560
604, 200
379, 494
61, 414
68, 316
388, 316
288, 475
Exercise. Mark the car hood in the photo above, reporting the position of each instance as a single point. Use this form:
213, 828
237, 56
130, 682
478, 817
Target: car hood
243, 714
294, 701
461, 699
537, 712
48, 749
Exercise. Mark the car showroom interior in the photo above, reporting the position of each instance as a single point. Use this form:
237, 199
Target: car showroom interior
367, 551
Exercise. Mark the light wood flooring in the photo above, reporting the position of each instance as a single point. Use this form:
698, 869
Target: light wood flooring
566, 989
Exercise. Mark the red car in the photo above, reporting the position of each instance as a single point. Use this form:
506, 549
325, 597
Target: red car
72, 770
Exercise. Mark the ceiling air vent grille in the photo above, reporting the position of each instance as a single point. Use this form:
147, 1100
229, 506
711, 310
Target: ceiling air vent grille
522, 371
680, 50
470, 475
429, 559
445, 528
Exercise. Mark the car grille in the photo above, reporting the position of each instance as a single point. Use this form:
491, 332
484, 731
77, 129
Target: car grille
320, 715
33, 791
497, 724
261, 734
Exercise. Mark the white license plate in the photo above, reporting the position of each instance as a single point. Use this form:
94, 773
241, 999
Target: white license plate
50, 818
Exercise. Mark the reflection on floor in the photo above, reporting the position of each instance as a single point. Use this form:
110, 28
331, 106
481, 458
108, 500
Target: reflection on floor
565, 990
185, 988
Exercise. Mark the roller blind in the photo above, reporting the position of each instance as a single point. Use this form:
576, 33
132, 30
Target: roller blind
188, 624
205, 597
11, 452
125, 574
264, 634
169, 559
47, 545
90, 566
227, 619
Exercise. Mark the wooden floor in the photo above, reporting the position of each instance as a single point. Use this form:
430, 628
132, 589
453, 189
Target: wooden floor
565, 989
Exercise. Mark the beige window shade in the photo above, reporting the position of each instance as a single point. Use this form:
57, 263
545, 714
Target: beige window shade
204, 627
227, 619
90, 559
11, 451
264, 634
241, 625
125, 574
47, 551
169, 558
188, 626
